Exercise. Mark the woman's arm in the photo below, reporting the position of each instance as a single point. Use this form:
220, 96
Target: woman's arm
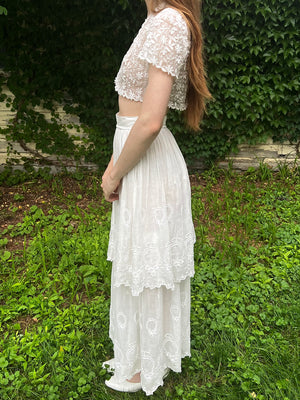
144, 131
109, 166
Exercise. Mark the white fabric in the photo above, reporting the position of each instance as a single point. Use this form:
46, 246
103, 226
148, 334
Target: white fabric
152, 234
150, 332
163, 41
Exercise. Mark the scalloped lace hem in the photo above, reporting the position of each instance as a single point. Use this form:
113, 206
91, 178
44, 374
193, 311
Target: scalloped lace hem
157, 65
123, 93
160, 381
139, 99
137, 290
160, 375
178, 108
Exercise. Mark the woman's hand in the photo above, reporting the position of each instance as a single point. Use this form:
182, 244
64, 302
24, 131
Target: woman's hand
110, 187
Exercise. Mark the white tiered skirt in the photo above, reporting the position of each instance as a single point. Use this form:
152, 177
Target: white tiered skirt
151, 249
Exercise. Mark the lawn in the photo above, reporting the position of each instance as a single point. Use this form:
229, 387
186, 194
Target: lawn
55, 285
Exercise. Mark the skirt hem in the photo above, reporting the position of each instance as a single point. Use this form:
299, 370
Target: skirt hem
157, 384
168, 285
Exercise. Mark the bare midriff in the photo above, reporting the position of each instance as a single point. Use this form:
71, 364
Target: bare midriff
129, 108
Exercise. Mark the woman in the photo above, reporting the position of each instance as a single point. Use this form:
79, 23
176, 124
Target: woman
152, 233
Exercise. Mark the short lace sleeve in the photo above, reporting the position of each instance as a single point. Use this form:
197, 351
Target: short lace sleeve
167, 43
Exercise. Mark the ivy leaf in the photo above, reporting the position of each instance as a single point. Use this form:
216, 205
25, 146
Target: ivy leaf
3, 362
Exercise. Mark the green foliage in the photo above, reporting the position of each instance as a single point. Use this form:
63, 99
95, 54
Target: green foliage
67, 55
252, 51
54, 293
253, 59
3, 10
11, 177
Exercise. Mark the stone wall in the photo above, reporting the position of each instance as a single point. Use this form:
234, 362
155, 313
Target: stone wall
248, 156
28, 150
270, 153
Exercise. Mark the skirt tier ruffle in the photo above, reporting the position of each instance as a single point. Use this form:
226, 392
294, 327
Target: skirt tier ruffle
152, 234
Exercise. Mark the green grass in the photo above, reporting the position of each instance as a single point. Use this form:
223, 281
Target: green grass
245, 317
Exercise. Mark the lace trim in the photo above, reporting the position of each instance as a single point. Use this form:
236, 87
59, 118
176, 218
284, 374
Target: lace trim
169, 70
149, 391
154, 272
128, 95
136, 291
139, 98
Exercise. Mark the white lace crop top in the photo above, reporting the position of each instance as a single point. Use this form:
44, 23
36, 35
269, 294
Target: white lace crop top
163, 41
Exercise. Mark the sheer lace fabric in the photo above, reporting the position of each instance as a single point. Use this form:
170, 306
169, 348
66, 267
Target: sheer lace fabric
163, 41
152, 233
150, 332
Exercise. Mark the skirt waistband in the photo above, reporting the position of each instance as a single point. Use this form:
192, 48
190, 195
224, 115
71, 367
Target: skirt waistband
127, 122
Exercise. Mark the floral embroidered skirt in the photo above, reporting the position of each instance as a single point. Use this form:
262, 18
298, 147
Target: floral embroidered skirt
151, 248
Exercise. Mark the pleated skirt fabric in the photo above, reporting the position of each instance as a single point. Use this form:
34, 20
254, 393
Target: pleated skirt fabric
151, 249
152, 234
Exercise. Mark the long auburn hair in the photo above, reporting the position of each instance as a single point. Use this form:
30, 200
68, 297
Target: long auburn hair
197, 93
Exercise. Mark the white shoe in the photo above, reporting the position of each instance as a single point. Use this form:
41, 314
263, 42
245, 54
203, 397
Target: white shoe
109, 365
126, 386
123, 386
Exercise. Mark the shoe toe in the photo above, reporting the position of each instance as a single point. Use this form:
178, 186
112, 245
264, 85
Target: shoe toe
123, 386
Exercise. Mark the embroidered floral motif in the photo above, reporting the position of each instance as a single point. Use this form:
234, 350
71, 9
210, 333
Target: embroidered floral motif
152, 234
163, 41
157, 338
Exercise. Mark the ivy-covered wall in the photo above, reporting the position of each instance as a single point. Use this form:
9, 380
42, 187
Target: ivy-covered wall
70, 51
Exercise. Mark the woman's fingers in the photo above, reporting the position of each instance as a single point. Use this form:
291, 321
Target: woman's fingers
113, 197
111, 193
